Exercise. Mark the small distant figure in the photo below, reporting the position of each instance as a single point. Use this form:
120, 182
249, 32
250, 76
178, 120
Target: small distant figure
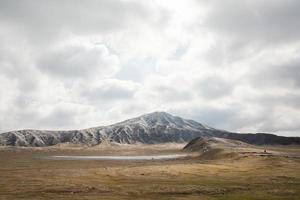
265, 150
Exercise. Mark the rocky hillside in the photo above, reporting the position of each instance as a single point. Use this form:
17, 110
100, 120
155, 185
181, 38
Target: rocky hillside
157, 127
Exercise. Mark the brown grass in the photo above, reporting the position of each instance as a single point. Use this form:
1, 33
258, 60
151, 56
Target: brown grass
248, 176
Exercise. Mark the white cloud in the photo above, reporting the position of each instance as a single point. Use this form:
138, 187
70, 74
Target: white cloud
232, 65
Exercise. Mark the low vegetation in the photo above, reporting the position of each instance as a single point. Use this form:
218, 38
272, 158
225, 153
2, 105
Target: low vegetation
250, 175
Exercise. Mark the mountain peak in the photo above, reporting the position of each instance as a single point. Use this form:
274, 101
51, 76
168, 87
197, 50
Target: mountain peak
161, 118
157, 114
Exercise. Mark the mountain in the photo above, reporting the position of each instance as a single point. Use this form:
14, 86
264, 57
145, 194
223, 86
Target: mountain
157, 127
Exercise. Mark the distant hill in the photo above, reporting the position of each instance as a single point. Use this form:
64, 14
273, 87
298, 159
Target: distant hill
259, 138
203, 144
215, 148
153, 128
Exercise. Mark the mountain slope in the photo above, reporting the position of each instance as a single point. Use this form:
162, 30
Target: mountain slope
157, 127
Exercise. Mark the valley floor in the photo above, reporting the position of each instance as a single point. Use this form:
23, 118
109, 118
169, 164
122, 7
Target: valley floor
247, 176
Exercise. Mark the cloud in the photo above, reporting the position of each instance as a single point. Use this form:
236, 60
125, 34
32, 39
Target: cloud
44, 20
171, 89
270, 22
77, 61
110, 90
245, 28
63, 115
212, 87
282, 75
74, 64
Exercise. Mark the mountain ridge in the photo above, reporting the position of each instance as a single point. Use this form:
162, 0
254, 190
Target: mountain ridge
151, 128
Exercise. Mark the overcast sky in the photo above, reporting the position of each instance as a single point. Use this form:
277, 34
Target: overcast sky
68, 64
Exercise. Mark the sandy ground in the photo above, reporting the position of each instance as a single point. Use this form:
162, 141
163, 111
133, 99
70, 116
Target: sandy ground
247, 174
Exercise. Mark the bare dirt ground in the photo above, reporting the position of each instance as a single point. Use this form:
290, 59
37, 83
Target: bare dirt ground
248, 174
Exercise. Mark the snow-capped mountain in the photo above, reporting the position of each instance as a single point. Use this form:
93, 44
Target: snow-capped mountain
157, 127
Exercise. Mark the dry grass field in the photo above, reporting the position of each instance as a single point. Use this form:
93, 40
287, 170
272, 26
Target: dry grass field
23, 175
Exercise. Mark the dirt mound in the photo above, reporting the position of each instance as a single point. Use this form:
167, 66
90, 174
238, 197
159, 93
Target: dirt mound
214, 148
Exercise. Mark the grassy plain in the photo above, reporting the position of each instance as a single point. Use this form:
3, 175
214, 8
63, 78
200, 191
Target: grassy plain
245, 176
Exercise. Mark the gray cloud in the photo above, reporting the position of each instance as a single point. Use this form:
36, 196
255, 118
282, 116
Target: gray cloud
75, 61
284, 74
59, 117
109, 90
268, 21
212, 87
72, 64
43, 20
171, 94
244, 28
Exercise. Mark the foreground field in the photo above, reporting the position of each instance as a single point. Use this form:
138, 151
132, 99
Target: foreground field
245, 176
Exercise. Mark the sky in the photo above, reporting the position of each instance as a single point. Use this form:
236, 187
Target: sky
71, 64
